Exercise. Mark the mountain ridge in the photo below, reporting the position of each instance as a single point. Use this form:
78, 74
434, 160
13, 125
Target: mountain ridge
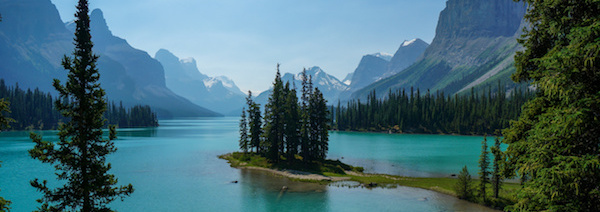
473, 40
33, 40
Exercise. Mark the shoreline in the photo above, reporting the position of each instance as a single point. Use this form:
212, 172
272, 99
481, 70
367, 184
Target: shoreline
442, 185
297, 175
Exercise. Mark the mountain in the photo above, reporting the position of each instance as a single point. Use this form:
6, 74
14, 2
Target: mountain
407, 54
474, 47
374, 67
330, 86
215, 93
33, 41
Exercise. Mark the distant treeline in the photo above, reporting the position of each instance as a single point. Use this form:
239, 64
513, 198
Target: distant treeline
412, 112
35, 110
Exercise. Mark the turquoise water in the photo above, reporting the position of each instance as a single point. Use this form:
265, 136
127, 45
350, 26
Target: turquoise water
175, 168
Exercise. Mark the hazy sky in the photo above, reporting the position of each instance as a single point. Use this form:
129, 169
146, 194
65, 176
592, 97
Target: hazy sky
245, 39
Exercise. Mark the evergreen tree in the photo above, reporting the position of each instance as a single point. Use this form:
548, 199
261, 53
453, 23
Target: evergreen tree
4, 111
292, 124
255, 123
319, 125
305, 150
496, 177
274, 123
484, 164
554, 143
463, 187
80, 157
244, 141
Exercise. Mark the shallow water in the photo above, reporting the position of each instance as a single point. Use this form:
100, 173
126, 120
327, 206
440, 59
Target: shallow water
175, 168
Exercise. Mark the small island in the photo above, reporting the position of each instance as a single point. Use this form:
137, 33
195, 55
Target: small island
290, 139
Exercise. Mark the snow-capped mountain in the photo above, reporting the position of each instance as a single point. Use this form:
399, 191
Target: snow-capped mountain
330, 86
216, 93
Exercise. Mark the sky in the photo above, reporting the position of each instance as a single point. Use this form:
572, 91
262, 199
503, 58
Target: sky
244, 40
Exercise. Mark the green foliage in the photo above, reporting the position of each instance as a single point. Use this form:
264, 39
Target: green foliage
35, 110
137, 116
498, 159
292, 123
293, 132
244, 139
412, 112
463, 187
4, 111
274, 120
554, 143
255, 123
79, 156
484, 163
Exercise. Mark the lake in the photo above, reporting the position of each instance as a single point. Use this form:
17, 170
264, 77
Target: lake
175, 168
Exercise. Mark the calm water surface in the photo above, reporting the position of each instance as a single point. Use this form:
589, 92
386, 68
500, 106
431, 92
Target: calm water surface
175, 168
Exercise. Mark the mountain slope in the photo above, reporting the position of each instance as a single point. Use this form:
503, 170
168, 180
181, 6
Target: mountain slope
33, 40
374, 67
474, 45
216, 93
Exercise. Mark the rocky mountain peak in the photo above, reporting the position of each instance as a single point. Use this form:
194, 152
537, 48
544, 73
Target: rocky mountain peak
477, 18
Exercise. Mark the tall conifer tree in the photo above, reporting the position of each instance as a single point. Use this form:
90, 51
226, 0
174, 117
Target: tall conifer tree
319, 125
484, 164
244, 139
255, 123
292, 124
305, 150
80, 155
274, 114
555, 141
496, 177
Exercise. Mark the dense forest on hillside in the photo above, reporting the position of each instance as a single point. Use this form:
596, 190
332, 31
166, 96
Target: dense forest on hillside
35, 110
412, 112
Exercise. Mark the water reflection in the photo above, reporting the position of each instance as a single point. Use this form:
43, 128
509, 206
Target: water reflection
277, 193
137, 132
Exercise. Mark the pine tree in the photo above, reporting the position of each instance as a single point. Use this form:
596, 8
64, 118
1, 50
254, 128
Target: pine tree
319, 125
496, 177
463, 187
305, 150
554, 143
484, 164
274, 123
244, 139
80, 157
255, 123
292, 124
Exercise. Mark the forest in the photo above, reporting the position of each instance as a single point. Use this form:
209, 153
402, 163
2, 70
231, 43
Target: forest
477, 113
34, 110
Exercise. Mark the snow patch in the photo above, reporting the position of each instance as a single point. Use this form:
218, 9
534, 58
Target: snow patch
383, 55
407, 43
188, 60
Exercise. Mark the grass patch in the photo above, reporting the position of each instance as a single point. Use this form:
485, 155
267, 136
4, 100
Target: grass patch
239, 159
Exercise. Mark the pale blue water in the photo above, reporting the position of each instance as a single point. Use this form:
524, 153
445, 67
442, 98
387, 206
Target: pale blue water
175, 168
